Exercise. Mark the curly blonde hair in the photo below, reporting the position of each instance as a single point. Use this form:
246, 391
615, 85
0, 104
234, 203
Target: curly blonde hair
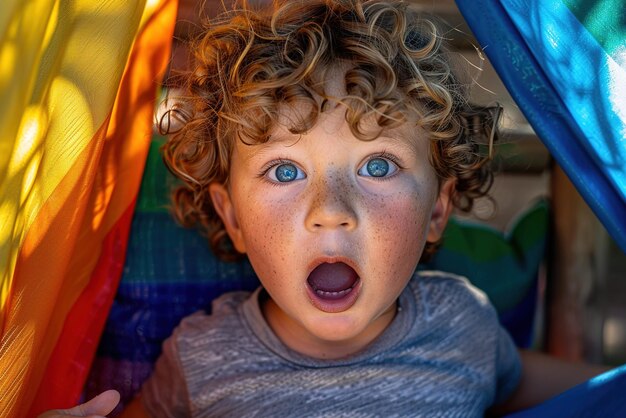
250, 63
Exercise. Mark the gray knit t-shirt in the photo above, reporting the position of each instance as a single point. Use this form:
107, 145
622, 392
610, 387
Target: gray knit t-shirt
444, 355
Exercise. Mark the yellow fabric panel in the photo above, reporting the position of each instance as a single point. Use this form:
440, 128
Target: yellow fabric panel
61, 85
62, 152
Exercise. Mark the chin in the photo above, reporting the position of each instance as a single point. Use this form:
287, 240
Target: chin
336, 329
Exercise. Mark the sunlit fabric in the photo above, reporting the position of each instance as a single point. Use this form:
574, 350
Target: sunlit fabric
602, 396
78, 80
564, 63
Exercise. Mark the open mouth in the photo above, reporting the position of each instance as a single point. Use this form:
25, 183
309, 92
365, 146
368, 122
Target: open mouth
333, 287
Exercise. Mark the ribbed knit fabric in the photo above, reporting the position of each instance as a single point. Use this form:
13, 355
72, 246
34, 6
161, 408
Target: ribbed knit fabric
444, 354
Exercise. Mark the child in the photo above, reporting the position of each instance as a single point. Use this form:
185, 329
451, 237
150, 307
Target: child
328, 141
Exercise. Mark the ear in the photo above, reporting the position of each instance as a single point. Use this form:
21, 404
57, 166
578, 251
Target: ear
225, 209
441, 211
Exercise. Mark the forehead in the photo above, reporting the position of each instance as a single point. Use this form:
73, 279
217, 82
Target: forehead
333, 120
406, 138
334, 104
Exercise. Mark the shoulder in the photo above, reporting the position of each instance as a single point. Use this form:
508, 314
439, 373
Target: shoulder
440, 284
442, 293
200, 328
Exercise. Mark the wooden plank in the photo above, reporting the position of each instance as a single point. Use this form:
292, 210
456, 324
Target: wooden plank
573, 272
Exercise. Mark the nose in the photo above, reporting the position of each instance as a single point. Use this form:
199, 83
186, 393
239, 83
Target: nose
332, 206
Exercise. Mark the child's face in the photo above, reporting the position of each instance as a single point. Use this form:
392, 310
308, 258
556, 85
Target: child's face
360, 209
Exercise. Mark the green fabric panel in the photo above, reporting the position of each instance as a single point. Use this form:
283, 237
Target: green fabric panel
504, 266
157, 182
604, 19
531, 228
487, 244
505, 281
483, 243
162, 253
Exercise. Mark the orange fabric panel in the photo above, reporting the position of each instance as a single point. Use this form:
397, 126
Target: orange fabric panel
132, 123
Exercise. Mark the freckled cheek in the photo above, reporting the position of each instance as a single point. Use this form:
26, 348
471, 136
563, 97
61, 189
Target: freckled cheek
398, 228
267, 230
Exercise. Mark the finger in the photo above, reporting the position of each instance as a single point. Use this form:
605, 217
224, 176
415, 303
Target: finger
100, 405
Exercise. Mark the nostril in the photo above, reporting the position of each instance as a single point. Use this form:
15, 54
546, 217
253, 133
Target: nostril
342, 224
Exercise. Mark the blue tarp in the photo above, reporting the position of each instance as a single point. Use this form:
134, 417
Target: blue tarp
564, 63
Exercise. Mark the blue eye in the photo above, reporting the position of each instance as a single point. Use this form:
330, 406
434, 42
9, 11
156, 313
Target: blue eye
378, 167
285, 173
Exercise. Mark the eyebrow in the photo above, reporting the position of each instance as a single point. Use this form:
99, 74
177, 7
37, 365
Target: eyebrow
262, 147
394, 138
409, 144
281, 138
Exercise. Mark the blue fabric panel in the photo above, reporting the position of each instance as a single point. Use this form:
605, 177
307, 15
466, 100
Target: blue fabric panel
566, 85
170, 273
137, 326
600, 397
589, 81
519, 321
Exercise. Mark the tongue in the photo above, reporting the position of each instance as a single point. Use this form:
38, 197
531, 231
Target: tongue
332, 277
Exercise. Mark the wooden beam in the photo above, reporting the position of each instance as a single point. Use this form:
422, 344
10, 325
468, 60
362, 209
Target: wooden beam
573, 270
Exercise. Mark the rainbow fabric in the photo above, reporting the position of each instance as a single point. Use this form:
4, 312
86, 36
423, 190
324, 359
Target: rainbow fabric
78, 79
564, 63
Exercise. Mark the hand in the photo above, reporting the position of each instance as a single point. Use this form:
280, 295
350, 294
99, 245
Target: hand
95, 408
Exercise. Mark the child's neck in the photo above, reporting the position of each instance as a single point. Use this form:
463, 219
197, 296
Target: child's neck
290, 334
